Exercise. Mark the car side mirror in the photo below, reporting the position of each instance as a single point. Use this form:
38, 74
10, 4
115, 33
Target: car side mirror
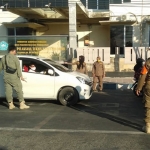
50, 71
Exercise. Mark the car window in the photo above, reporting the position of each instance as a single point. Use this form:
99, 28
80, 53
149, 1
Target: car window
40, 66
49, 60
61, 67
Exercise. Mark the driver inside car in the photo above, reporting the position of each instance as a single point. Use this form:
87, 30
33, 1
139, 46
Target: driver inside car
32, 68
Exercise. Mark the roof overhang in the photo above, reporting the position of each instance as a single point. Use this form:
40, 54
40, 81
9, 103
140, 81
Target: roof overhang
108, 22
26, 24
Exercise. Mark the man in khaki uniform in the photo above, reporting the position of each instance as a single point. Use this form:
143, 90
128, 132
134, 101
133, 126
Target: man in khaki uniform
144, 79
12, 80
98, 72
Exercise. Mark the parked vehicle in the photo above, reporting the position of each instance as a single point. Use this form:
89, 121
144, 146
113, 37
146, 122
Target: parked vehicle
58, 82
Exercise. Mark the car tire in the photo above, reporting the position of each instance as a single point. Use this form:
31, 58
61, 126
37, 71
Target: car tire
68, 96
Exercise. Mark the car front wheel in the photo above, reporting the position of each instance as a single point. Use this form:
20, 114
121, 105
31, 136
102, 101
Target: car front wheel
68, 96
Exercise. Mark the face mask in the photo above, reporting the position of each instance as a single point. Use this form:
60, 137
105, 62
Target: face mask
98, 60
33, 68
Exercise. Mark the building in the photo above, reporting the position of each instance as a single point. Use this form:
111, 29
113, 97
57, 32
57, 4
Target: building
117, 30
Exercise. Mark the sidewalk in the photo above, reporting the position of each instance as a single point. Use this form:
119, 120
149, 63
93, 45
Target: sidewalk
118, 82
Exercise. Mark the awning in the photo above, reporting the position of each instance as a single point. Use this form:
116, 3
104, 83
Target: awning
108, 22
26, 24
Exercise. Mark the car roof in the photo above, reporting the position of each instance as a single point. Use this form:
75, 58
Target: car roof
29, 56
36, 57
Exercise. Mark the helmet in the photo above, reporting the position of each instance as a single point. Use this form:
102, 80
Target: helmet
140, 60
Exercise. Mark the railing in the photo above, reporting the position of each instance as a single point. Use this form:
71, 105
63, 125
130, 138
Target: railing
33, 3
132, 53
91, 54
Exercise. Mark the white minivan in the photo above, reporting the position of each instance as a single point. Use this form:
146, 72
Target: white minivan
51, 81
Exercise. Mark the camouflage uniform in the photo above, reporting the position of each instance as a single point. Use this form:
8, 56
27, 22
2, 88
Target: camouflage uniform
12, 80
99, 72
145, 80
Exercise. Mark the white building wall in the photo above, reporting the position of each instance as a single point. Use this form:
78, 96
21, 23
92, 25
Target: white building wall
137, 10
136, 7
6, 16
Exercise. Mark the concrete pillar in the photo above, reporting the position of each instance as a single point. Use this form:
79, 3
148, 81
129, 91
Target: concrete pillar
72, 26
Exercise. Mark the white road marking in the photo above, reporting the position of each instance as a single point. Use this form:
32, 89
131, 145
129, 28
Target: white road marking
72, 131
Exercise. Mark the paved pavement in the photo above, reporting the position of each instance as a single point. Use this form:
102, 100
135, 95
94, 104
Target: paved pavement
118, 82
109, 120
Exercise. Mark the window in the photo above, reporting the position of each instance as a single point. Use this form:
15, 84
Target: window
120, 36
11, 31
17, 32
20, 31
25, 31
115, 1
96, 4
128, 36
119, 1
124, 1
40, 67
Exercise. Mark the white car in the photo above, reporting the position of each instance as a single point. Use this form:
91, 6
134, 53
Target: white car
58, 82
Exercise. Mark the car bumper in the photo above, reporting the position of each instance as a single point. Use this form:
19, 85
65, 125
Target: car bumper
86, 92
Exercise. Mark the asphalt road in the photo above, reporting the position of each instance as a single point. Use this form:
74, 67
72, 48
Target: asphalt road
110, 120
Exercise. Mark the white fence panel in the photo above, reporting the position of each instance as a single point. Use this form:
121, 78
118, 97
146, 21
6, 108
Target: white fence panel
132, 53
91, 54
147, 53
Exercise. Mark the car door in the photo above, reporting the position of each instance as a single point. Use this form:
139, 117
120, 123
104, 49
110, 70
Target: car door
37, 85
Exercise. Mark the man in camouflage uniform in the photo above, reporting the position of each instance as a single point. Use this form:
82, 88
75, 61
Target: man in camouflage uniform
12, 80
144, 79
98, 72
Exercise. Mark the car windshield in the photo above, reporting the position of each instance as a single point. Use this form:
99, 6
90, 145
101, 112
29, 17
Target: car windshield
49, 60
58, 66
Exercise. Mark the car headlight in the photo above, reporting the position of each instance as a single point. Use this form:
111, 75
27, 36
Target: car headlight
83, 81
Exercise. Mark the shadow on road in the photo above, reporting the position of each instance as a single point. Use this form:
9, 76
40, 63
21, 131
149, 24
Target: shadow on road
129, 105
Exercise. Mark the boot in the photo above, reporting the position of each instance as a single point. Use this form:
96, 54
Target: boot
11, 105
146, 128
23, 105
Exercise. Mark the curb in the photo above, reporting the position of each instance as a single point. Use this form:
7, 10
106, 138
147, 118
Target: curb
116, 86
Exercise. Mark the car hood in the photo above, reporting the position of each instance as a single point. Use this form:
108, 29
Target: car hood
78, 74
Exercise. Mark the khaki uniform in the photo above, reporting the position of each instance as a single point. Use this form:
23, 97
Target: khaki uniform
99, 71
144, 80
12, 80
81, 70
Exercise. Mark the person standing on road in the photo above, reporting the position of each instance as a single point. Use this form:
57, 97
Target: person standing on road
98, 72
144, 80
12, 79
81, 65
